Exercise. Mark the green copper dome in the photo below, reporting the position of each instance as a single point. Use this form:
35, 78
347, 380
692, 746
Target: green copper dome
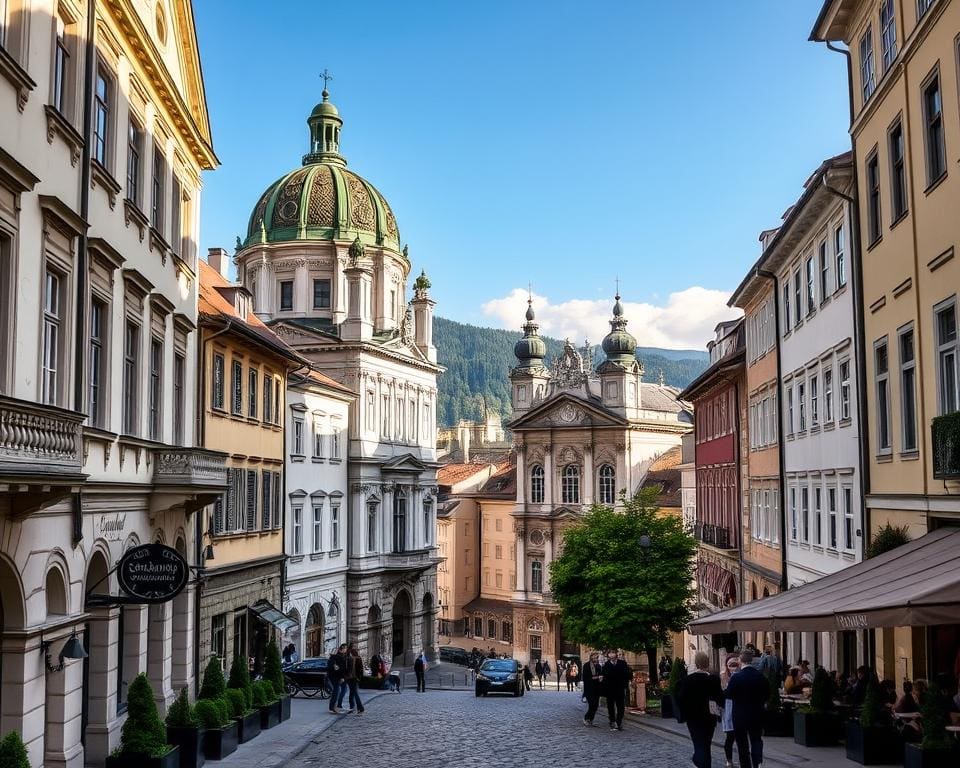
618, 345
531, 349
323, 200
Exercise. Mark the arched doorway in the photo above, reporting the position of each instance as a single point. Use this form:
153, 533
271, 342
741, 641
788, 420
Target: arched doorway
313, 644
429, 625
12, 617
401, 626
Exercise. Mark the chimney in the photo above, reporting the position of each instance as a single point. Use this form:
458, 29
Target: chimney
219, 260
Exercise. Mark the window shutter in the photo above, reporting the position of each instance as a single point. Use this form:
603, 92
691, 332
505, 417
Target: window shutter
267, 498
218, 509
231, 506
251, 499
277, 501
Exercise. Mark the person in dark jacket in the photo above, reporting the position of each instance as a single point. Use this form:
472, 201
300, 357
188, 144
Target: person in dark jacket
355, 665
420, 670
527, 676
538, 671
616, 678
592, 686
749, 691
697, 691
336, 671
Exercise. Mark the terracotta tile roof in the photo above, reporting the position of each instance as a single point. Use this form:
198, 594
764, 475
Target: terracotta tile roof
451, 474
320, 378
667, 459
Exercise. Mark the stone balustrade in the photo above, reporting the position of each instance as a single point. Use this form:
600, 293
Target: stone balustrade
190, 466
39, 440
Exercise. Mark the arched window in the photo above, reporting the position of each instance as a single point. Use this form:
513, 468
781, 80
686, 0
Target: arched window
570, 484
607, 484
536, 576
536, 484
506, 631
492, 629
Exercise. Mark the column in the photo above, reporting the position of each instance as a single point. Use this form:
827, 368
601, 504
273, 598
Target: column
23, 684
413, 515
160, 653
63, 711
357, 514
521, 474
588, 475
386, 519
519, 530
302, 295
103, 732
548, 478
182, 673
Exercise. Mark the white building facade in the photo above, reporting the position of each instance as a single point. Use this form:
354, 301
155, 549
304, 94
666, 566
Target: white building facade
317, 487
98, 310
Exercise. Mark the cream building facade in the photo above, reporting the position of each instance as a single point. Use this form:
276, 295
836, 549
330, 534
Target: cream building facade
98, 310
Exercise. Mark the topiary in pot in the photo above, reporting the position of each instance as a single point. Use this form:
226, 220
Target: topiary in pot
214, 685
262, 693
933, 717
208, 713
184, 731
238, 702
143, 733
240, 678
181, 713
821, 697
871, 711
272, 670
678, 673
224, 707
13, 752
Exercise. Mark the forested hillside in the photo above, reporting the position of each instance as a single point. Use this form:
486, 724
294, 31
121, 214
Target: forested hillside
478, 361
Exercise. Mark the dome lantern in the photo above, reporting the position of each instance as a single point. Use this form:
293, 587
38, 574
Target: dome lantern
618, 345
531, 349
325, 124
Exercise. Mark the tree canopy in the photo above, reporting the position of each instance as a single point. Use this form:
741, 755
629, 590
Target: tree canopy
615, 593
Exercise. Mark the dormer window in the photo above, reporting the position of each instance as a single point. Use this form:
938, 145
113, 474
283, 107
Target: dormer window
242, 304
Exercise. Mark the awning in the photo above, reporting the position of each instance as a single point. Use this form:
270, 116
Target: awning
917, 584
488, 605
264, 610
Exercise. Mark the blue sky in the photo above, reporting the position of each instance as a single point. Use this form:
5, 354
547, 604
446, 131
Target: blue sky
539, 142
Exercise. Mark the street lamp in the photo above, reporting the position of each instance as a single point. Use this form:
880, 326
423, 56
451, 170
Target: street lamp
72, 649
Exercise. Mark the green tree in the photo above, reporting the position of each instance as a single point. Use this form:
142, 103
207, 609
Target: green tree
272, 668
13, 752
613, 591
887, 538
143, 733
214, 684
240, 677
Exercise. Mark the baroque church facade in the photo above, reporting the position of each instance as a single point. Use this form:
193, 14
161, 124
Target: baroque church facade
323, 261
583, 434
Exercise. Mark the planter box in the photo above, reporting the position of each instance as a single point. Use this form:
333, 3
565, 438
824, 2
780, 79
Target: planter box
666, 706
778, 722
248, 726
285, 707
220, 742
815, 729
270, 715
190, 741
914, 756
169, 760
877, 745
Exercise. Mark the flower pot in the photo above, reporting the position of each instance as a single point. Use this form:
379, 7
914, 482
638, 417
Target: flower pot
815, 729
876, 745
778, 722
248, 726
220, 742
666, 706
285, 707
915, 756
270, 715
190, 741
170, 760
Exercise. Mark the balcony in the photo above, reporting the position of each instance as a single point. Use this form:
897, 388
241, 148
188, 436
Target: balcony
714, 535
39, 441
945, 439
190, 467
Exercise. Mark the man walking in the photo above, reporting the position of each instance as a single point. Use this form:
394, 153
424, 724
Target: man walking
748, 690
770, 664
546, 670
616, 678
697, 691
592, 686
538, 671
336, 670
355, 673
420, 670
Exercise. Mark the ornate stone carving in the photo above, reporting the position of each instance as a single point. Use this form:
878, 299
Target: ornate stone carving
568, 370
569, 455
536, 625
537, 537
568, 413
519, 528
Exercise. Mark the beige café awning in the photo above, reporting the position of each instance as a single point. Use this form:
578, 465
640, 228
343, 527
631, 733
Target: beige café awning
917, 584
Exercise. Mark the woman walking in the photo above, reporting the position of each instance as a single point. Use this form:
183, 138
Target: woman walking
730, 667
572, 673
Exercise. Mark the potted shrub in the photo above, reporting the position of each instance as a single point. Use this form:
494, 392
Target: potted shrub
266, 700
13, 752
871, 739
143, 738
247, 718
935, 749
678, 673
776, 720
666, 705
815, 724
273, 671
220, 737
184, 730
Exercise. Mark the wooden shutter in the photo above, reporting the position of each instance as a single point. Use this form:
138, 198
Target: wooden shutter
251, 499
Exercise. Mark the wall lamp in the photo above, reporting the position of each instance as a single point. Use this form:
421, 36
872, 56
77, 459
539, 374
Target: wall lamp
72, 649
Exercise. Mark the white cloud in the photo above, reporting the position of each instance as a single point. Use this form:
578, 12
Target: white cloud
686, 321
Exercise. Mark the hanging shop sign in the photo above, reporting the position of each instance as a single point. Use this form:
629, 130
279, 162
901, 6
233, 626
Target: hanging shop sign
152, 573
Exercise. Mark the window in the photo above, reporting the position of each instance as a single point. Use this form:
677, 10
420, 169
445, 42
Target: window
786, 308
236, 402
873, 199
933, 130
240, 633
179, 392
297, 448
882, 379
266, 499
158, 185
102, 104
832, 512
848, 528
317, 438
371, 526
176, 227
52, 337
536, 484
839, 257
922, 7
811, 285
156, 389
399, 523
570, 484
318, 526
321, 294
385, 417
276, 401
62, 69
251, 511
412, 422
131, 377
845, 390
298, 530
947, 378
335, 443
134, 153
267, 397
793, 514
824, 271
427, 523
867, 80
817, 516
802, 406
827, 395
218, 636
888, 34
805, 513
334, 525
908, 390
477, 625
797, 303
607, 484
536, 576
814, 402
252, 377
498, 551
286, 295
506, 627
789, 410
898, 174
97, 362
219, 372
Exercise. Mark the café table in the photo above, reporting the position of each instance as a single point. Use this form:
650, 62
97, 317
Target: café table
906, 715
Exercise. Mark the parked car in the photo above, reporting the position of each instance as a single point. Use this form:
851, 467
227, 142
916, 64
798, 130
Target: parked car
455, 655
308, 677
499, 676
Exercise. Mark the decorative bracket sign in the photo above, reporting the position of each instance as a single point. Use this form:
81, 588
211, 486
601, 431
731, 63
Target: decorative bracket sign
149, 573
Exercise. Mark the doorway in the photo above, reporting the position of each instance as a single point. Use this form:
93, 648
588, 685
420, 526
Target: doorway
401, 622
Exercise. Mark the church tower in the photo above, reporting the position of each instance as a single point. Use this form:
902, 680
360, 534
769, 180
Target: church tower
530, 377
620, 372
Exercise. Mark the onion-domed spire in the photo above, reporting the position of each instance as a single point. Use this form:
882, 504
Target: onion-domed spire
618, 345
325, 125
531, 349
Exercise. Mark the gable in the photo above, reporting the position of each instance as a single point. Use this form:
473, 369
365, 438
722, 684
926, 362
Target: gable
405, 463
567, 411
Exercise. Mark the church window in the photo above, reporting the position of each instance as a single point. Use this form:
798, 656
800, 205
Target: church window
607, 484
321, 294
536, 576
570, 484
286, 296
492, 629
536, 484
